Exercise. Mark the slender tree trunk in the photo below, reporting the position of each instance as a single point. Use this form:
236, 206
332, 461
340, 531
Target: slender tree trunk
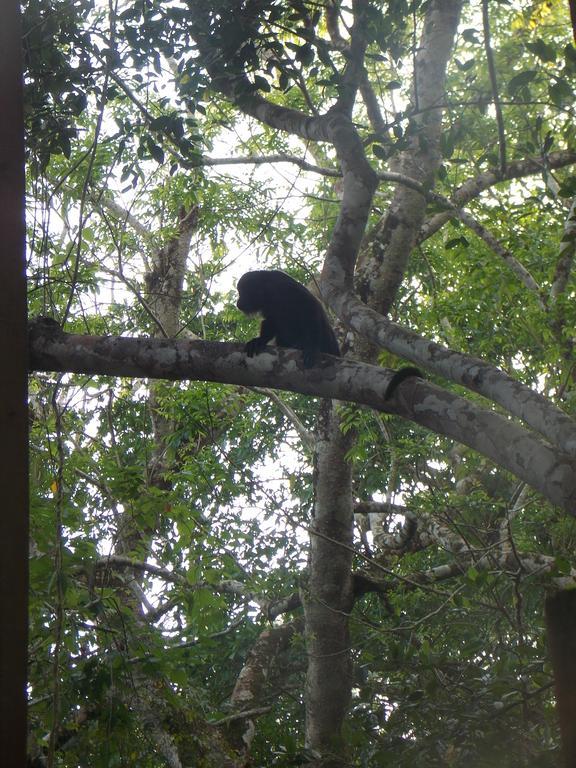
329, 598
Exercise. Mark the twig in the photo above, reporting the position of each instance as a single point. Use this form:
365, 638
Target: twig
494, 85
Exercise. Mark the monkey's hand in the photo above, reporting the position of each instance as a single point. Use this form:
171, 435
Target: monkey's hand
254, 346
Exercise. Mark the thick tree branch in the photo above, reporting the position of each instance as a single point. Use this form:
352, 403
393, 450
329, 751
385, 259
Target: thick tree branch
545, 469
388, 246
473, 373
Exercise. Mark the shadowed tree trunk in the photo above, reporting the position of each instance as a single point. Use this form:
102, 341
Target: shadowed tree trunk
561, 626
13, 395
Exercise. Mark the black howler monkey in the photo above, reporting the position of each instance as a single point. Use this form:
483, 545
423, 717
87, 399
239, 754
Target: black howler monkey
295, 318
291, 315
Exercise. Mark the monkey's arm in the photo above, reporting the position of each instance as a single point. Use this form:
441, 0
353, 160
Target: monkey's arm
256, 345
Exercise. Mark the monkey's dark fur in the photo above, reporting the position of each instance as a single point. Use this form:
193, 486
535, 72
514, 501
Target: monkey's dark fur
291, 315
399, 377
295, 318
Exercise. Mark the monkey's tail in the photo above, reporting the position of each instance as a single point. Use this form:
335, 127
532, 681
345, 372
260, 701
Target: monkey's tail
398, 378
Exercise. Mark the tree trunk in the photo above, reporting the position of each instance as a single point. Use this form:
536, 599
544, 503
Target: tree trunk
329, 598
561, 626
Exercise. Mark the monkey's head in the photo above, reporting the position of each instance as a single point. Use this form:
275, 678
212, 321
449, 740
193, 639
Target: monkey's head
250, 295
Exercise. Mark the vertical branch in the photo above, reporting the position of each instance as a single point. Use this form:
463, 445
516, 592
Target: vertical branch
387, 247
91, 160
566, 254
494, 86
59, 600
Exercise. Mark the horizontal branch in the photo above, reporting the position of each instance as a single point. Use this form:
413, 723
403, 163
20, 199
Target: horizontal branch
471, 372
265, 159
473, 187
391, 176
226, 586
512, 447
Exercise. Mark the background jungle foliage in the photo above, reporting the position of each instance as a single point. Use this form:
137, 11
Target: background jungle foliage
170, 520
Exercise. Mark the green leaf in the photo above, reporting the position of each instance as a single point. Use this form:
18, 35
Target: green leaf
284, 81
380, 151
471, 36
261, 83
455, 242
561, 93
520, 81
544, 51
305, 54
464, 66
472, 574
156, 151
